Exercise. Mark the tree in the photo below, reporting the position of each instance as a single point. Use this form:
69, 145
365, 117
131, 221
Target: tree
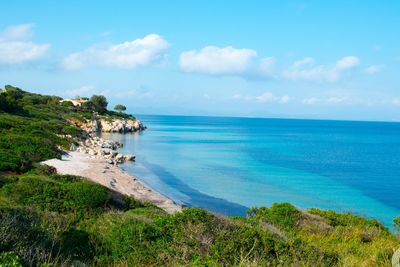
67, 104
13, 92
100, 103
88, 105
120, 108
4, 105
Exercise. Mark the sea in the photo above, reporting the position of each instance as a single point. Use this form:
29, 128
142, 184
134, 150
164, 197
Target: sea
227, 165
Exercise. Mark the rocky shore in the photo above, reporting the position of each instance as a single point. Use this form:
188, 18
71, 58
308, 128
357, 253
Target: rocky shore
97, 159
96, 146
109, 125
93, 145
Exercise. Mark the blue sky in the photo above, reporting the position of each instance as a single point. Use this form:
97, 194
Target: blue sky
292, 59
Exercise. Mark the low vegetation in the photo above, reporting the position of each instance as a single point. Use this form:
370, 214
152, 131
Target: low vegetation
48, 219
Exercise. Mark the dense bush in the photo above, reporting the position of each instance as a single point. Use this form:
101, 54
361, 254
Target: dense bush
76, 221
50, 194
9, 259
21, 232
283, 215
99, 102
120, 107
19, 152
346, 219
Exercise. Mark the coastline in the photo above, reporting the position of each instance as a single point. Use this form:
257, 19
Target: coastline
92, 165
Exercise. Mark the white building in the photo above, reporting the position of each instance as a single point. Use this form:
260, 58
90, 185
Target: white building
76, 102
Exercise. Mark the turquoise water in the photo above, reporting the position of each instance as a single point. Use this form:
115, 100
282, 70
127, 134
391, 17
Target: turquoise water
229, 164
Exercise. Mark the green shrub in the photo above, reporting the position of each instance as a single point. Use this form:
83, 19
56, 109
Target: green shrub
19, 151
58, 195
42, 169
243, 244
130, 202
122, 236
283, 215
9, 259
99, 102
76, 244
84, 196
346, 219
21, 233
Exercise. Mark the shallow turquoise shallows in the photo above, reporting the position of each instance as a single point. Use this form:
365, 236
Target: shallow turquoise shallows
229, 164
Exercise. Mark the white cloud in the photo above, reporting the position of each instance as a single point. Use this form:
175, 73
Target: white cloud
336, 100
374, 69
16, 46
217, 61
310, 101
306, 70
395, 101
284, 99
266, 97
347, 63
267, 65
126, 55
85, 90
17, 32
328, 100
303, 62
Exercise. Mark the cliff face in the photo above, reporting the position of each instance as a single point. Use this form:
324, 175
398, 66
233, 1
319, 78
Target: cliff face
110, 125
120, 125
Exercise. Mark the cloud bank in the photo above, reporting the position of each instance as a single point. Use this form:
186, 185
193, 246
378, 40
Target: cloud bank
228, 60
126, 55
266, 97
374, 69
16, 46
306, 70
217, 60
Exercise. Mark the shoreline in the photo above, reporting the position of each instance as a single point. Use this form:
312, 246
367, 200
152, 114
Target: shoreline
98, 169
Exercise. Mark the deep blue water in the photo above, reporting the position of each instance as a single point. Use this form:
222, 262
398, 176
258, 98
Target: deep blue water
229, 164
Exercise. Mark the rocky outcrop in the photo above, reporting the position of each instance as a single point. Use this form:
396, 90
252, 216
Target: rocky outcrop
108, 125
121, 125
96, 146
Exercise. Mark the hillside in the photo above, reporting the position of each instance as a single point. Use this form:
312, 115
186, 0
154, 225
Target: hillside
64, 220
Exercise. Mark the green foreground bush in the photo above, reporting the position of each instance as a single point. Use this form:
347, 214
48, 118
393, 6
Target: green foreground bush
63, 220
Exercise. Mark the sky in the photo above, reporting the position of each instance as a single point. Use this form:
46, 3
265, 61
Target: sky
278, 59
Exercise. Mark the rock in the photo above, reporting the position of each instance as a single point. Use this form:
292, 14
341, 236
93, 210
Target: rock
109, 125
129, 158
92, 152
119, 158
105, 152
121, 125
73, 147
106, 145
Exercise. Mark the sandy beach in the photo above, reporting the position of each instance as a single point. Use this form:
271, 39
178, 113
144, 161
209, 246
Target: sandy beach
97, 169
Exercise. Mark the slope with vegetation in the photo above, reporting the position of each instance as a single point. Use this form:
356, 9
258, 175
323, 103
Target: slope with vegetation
55, 220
